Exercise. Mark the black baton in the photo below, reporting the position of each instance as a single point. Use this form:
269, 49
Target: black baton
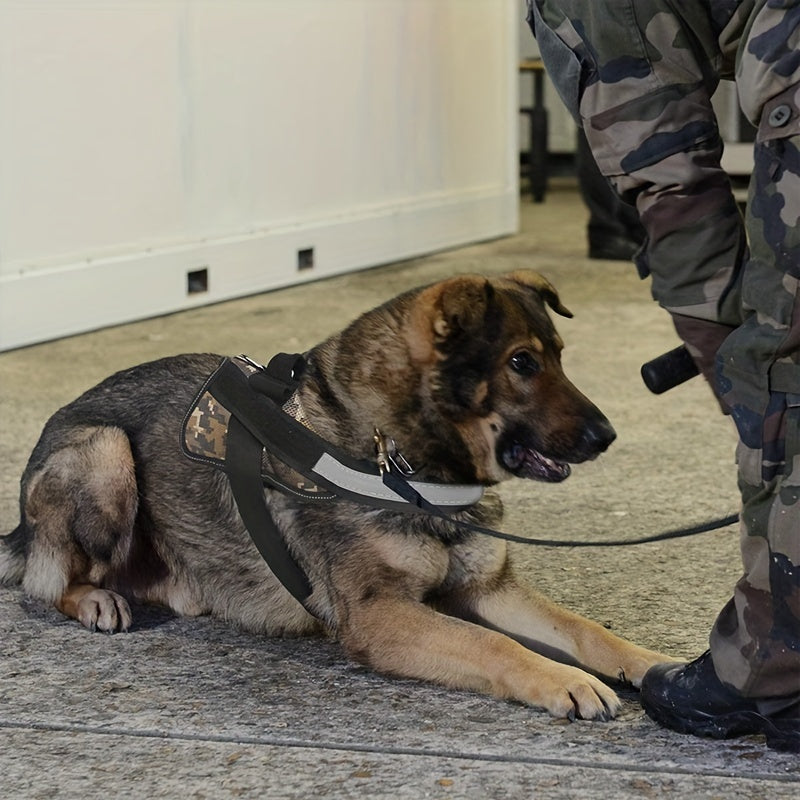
669, 370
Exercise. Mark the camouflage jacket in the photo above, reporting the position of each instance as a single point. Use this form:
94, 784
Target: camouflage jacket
638, 75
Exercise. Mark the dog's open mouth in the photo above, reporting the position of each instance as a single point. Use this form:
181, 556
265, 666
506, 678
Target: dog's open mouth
525, 462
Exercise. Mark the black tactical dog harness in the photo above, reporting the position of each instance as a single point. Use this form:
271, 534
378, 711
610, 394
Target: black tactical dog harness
245, 409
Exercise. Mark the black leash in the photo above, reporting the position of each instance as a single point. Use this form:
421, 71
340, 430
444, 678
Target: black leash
400, 485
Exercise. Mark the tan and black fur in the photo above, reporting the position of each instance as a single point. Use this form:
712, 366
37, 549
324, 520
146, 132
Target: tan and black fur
466, 376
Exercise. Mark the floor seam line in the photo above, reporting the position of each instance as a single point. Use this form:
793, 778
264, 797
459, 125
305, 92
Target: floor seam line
385, 750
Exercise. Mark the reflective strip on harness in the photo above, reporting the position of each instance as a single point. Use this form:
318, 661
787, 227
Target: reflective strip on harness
363, 483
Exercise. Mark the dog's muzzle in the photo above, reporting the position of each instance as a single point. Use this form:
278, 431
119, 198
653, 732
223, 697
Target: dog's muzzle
525, 460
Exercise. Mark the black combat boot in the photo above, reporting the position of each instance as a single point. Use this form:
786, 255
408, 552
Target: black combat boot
690, 698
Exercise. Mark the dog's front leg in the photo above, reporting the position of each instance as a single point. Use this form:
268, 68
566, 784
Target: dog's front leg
406, 638
524, 614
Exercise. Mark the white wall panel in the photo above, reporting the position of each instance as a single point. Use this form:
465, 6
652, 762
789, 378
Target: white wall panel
140, 140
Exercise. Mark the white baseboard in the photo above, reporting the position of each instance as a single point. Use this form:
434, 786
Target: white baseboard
38, 304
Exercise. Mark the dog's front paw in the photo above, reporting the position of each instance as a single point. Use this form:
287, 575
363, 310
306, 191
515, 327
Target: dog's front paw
571, 693
97, 609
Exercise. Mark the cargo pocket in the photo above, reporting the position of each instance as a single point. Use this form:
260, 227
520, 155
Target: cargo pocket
563, 66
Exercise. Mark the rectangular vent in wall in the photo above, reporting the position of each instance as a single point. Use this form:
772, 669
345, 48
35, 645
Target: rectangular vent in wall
197, 281
305, 258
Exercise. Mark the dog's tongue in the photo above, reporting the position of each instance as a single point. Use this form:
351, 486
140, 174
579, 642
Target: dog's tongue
525, 462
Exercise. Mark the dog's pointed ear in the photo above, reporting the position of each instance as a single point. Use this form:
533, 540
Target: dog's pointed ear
445, 309
527, 277
461, 305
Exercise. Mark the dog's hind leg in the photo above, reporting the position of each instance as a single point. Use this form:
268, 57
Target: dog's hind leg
79, 509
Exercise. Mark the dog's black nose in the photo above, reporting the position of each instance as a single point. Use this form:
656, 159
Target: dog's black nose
597, 436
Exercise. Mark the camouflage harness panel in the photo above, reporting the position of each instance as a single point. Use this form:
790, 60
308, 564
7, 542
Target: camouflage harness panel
205, 438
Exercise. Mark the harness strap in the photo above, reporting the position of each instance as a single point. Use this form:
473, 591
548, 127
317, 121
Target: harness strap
244, 475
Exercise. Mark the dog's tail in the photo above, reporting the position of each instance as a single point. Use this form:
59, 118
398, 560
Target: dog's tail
12, 555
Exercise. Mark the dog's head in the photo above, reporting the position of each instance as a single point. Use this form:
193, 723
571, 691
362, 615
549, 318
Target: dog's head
493, 363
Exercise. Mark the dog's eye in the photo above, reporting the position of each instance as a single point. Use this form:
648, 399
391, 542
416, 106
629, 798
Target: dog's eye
524, 363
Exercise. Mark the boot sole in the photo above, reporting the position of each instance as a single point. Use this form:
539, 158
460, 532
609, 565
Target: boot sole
783, 735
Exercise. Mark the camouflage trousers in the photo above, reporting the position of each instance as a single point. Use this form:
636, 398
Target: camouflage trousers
755, 643
638, 76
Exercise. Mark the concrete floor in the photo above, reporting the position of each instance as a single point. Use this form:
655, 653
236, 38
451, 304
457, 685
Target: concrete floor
190, 708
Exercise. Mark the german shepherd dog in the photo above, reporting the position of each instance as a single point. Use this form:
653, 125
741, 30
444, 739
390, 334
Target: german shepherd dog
466, 376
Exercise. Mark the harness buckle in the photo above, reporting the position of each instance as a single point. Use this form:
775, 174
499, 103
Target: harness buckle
382, 444
387, 455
